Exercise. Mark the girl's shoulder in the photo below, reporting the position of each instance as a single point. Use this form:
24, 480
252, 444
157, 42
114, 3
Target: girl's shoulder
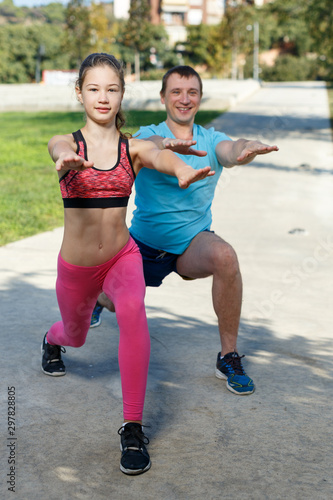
135, 145
66, 137
61, 138
139, 143
132, 141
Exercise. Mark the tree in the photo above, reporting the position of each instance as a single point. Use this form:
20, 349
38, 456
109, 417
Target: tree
304, 30
289, 68
54, 13
78, 36
19, 46
319, 16
100, 29
203, 46
234, 35
7, 8
290, 29
139, 34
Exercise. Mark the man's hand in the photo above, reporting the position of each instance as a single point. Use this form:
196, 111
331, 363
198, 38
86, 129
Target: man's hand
182, 147
187, 175
72, 161
252, 149
240, 152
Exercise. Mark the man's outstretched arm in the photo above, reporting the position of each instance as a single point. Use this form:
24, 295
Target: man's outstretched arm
241, 152
180, 146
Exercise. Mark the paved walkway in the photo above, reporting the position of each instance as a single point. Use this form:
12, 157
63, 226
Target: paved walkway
205, 441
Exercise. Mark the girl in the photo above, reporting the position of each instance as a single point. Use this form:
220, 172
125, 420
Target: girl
97, 166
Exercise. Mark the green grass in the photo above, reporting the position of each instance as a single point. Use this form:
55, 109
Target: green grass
30, 200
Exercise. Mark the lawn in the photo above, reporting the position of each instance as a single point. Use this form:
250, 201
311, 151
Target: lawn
30, 200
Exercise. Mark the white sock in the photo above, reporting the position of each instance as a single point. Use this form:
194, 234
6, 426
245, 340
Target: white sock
129, 423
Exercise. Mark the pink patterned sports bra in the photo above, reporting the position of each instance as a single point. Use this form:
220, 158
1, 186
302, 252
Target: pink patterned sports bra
95, 188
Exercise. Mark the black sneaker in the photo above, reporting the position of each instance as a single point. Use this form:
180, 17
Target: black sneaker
52, 363
134, 457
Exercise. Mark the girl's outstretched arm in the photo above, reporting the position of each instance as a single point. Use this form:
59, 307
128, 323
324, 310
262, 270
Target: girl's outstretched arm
62, 149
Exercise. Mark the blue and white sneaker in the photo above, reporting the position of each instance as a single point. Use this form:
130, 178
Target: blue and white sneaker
230, 368
96, 315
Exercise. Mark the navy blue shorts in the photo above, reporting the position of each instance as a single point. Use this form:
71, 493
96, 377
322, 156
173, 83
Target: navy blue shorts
157, 264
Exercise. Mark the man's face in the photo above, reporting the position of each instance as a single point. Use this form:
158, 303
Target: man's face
182, 98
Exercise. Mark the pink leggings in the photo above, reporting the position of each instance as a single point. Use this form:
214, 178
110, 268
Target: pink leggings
121, 278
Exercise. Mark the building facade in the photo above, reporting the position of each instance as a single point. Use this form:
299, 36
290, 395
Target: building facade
175, 15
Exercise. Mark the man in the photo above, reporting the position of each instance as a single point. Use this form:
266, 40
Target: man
172, 227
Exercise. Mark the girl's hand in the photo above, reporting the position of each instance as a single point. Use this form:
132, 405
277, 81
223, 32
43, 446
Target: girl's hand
72, 161
182, 147
187, 175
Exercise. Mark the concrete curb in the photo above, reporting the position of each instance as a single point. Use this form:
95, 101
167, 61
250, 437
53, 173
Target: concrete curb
218, 94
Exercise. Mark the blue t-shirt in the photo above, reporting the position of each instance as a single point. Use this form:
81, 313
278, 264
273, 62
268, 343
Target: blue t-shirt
167, 217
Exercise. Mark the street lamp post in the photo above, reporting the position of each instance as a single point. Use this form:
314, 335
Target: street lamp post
255, 28
256, 50
40, 54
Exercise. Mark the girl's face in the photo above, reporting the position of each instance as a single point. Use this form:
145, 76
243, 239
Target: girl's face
101, 94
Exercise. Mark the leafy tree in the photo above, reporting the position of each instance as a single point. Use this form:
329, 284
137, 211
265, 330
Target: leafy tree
203, 46
54, 13
7, 8
77, 41
139, 34
234, 35
100, 31
290, 29
289, 68
299, 28
319, 16
19, 45
136, 34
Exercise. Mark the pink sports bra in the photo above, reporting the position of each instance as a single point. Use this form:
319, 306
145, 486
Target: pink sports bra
95, 188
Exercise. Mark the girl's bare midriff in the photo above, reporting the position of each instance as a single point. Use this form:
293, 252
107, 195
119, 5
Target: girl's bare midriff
93, 236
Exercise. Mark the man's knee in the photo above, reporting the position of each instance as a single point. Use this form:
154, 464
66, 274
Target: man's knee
104, 301
224, 257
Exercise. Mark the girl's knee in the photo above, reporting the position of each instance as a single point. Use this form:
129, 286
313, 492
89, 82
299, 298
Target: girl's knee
76, 343
76, 337
132, 312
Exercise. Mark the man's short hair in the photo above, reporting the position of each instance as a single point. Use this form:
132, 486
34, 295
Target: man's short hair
183, 71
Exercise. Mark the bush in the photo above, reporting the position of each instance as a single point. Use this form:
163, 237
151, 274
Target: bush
289, 68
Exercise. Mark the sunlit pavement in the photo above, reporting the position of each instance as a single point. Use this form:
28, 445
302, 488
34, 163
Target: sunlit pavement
205, 442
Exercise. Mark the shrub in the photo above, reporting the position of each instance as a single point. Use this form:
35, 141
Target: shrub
289, 68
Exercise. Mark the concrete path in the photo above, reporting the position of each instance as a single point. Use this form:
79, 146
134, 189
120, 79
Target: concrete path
205, 443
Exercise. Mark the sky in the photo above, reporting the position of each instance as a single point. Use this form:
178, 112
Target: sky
34, 3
